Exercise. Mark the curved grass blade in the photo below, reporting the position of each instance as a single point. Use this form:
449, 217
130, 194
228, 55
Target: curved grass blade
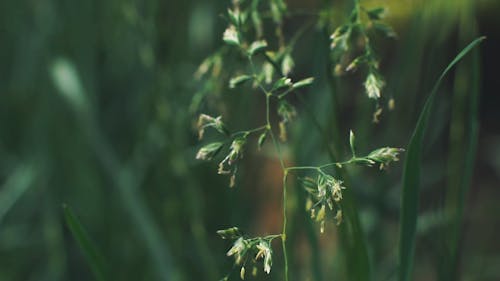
92, 256
463, 146
470, 156
411, 176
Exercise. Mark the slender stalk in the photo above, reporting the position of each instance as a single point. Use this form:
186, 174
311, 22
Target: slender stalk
278, 149
271, 237
282, 163
301, 168
283, 237
321, 167
251, 131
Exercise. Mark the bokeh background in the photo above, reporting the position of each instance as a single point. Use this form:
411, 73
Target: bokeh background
95, 113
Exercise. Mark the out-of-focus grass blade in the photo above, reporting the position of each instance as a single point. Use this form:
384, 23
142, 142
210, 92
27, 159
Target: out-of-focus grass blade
94, 259
353, 241
411, 177
14, 188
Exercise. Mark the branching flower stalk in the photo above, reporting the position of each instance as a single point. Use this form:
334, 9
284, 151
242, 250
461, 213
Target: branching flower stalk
326, 191
356, 29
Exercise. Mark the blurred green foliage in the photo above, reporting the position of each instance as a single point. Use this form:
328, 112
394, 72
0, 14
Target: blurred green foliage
94, 113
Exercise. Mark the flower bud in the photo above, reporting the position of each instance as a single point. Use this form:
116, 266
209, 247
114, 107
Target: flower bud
229, 233
208, 151
385, 155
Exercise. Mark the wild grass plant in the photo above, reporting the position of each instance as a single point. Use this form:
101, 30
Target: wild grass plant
268, 70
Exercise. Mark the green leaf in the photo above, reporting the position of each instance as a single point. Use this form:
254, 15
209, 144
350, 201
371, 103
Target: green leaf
238, 80
303, 83
92, 256
470, 150
411, 177
461, 161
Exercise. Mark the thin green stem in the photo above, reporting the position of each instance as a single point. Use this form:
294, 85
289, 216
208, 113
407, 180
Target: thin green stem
273, 137
350, 161
283, 237
282, 95
272, 237
301, 168
256, 78
282, 163
278, 149
319, 168
268, 122
248, 132
268, 237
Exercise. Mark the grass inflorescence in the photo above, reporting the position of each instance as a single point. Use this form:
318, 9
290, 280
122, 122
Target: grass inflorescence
268, 71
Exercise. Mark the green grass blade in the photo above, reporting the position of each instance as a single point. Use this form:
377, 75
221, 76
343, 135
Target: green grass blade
463, 146
15, 186
411, 176
471, 147
94, 259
